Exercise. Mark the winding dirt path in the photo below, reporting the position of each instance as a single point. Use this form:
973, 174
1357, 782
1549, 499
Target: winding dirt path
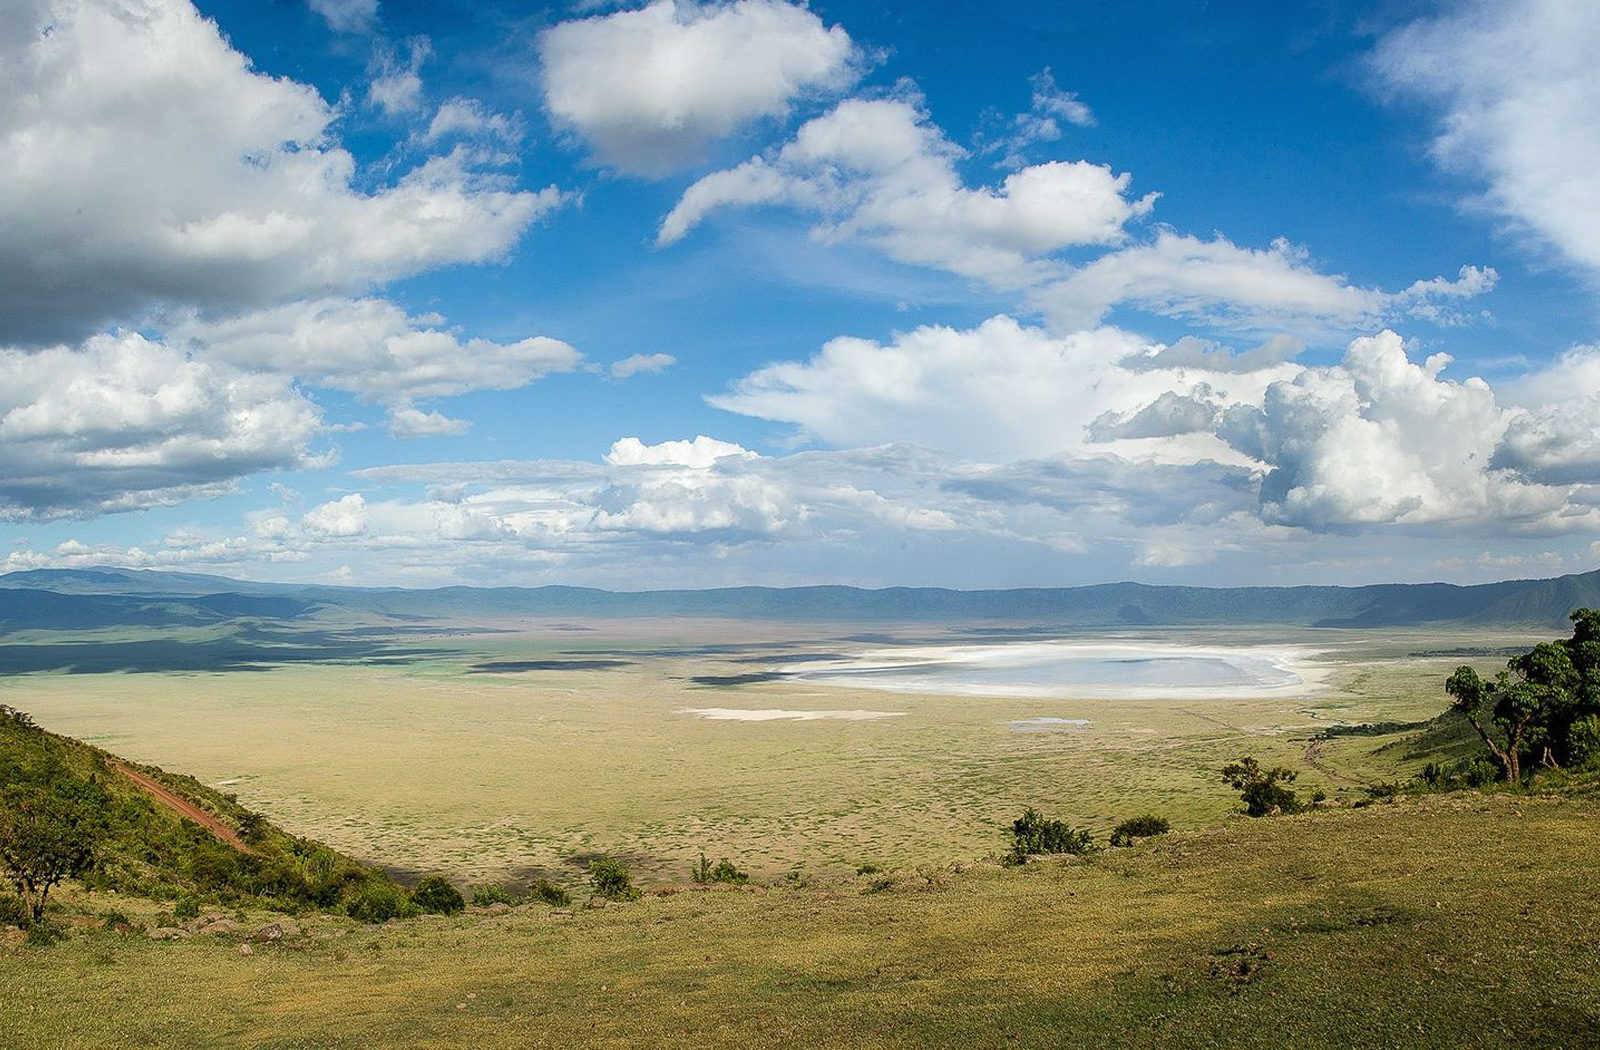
183, 807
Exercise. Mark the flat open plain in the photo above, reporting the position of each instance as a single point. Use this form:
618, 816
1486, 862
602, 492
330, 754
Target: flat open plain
528, 749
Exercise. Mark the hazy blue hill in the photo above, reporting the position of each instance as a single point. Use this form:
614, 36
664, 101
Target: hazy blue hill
84, 598
32, 609
138, 581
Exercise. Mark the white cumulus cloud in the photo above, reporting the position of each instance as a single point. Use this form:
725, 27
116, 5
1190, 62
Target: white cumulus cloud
1514, 87
372, 348
880, 170
144, 163
123, 423
637, 363
650, 88
1218, 283
1000, 391
1378, 439
699, 453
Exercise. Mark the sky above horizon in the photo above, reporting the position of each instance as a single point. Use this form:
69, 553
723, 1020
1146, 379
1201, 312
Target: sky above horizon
757, 292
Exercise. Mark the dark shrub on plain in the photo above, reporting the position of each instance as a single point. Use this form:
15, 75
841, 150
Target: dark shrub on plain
549, 892
484, 896
437, 896
612, 880
379, 902
1135, 828
723, 871
1033, 834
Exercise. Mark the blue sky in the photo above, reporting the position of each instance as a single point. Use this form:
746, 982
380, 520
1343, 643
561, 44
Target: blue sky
693, 294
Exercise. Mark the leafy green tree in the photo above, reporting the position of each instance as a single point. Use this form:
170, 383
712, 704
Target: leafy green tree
1263, 790
46, 836
1542, 706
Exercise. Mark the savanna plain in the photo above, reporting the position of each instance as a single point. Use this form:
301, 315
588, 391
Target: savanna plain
871, 823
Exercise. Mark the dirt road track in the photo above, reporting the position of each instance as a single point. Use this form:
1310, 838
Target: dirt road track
183, 807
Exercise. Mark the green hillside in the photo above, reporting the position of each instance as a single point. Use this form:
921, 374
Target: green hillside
145, 849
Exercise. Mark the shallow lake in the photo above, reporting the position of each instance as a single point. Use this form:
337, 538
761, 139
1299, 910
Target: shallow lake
1140, 670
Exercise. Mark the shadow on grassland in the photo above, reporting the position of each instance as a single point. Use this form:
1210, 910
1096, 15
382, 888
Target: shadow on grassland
248, 649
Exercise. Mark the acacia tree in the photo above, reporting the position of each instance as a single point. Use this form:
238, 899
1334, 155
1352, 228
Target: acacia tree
45, 837
1544, 703
1262, 790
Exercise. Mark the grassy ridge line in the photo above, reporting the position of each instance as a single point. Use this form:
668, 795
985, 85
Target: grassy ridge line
1448, 921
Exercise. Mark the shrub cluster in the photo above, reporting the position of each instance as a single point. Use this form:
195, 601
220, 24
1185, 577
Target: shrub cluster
1135, 828
540, 889
1033, 834
705, 872
612, 880
436, 895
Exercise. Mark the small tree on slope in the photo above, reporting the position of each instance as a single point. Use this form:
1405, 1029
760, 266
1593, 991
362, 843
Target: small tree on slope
45, 837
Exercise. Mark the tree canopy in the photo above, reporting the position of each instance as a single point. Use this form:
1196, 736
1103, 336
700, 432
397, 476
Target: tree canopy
1544, 707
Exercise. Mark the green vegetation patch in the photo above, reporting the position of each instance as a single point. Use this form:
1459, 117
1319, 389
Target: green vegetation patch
70, 812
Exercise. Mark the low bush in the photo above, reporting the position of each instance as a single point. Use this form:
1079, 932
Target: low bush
612, 880
1472, 772
1033, 834
723, 871
484, 896
549, 892
436, 895
380, 901
1135, 828
13, 912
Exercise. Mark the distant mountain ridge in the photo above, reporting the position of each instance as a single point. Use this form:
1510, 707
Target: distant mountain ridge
66, 598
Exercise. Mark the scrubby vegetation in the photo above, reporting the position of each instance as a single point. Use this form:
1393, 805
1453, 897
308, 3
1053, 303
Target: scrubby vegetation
723, 871
1135, 828
1033, 834
540, 889
437, 895
68, 813
612, 880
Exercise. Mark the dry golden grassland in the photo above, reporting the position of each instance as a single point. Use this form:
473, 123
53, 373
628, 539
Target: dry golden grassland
1464, 920
428, 767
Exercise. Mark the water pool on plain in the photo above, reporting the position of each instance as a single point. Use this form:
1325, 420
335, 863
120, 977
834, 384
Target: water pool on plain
1134, 670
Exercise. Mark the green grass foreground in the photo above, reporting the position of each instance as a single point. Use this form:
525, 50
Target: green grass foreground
1461, 920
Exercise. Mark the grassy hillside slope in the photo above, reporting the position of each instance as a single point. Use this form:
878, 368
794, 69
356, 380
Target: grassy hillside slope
1447, 921
147, 850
